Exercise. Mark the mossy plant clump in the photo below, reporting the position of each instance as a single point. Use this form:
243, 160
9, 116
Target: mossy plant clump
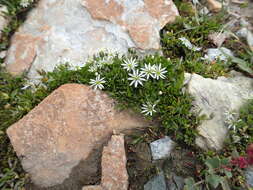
171, 109
171, 105
197, 33
14, 103
163, 100
242, 136
16, 15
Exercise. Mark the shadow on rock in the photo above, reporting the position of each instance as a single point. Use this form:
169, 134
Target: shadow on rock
87, 172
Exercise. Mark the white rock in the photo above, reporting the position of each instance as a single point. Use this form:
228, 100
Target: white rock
242, 33
75, 29
244, 23
213, 98
161, 148
246, 34
217, 53
249, 176
204, 11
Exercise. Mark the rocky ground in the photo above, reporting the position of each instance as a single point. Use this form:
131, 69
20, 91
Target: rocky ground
117, 95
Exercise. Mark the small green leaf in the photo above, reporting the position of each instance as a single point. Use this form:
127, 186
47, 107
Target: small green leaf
243, 65
213, 163
213, 180
190, 184
137, 140
228, 174
224, 161
224, 184
4, 96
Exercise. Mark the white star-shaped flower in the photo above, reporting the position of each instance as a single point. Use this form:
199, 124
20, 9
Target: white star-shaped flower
93, 68
129, 64
189, 45
107, 60
97, 83
25, 3
148, 108
159, 72
231, 119
148, 71
136, 78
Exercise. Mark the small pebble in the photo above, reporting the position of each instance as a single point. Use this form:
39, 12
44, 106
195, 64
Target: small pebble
214, 6
161, 148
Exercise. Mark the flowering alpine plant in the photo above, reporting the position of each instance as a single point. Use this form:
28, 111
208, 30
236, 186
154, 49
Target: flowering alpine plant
243, 162
26, 3
240, 162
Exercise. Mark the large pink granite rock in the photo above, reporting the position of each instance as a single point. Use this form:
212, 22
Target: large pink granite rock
64, 130
75, 29
114, 172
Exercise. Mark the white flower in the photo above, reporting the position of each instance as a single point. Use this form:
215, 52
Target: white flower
107, 60
148, 71
129, 64
63, 60
28, 85
231, 119
148, 108
159, 72
96, 64
25, 3
93, 68
97, 83
189, 45
136, 78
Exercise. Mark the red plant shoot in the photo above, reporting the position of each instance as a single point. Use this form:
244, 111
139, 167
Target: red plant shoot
244, 162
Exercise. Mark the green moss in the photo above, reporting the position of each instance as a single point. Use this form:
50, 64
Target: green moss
196, 31
173, 106
172, 109
242, 136
10, 168
16, 15
185, 8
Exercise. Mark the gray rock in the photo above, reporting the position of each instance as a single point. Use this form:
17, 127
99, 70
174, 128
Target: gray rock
76, 29
214, 98
242, 33
246, 34
176, 183
244, 23
249, 176
218, 53
161, 148
156, 183
204, 11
